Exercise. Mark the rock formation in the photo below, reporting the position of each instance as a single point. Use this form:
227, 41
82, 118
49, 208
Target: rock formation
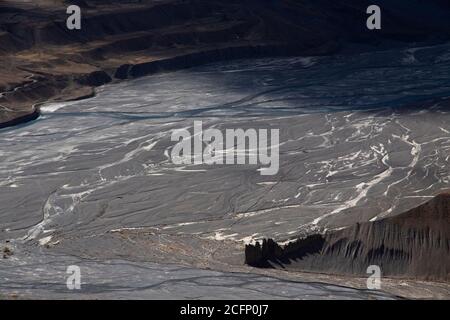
44, 61
414, 244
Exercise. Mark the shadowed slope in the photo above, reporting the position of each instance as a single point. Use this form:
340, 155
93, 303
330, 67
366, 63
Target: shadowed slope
414, 244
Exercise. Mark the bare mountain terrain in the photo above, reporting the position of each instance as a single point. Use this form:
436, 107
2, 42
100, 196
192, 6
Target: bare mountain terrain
44, 61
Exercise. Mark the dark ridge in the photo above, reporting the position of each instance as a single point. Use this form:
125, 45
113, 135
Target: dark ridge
262, 256
21, 119
415, 244
122, 71
95, 79
220, 54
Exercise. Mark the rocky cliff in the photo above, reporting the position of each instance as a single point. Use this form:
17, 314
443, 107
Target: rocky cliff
415, 244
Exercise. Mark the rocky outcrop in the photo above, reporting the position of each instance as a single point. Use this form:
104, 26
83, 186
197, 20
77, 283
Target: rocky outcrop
415, 244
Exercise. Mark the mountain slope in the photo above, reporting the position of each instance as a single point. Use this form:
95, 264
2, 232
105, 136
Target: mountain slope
43, 61
414, 244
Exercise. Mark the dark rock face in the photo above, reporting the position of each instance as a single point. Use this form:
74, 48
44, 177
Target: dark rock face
24, 118
215, 55
414, 244
122, 72
262, 255
259, 255
95, 79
